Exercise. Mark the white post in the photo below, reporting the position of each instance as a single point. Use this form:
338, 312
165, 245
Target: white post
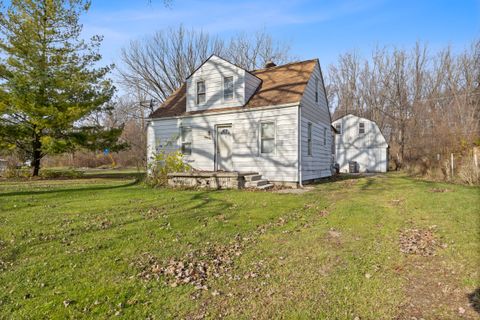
451, 163
475, 159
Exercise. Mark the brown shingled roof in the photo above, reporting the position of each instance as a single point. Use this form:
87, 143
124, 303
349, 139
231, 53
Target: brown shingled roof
280, 85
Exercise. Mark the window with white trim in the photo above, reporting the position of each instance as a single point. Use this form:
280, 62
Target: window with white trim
361, 128
186, 136
324, 136
200, 92
309, 139
338, 127
267, 137
227, 88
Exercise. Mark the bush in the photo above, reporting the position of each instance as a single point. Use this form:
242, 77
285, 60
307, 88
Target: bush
163, 164
469, 173
17, 173
55, 174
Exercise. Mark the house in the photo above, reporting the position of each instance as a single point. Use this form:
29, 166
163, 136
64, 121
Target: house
273, 121
359, 142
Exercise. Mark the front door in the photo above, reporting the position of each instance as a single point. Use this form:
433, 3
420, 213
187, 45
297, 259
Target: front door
224, 148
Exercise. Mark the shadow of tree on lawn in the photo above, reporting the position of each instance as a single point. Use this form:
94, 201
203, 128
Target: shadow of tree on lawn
474, 299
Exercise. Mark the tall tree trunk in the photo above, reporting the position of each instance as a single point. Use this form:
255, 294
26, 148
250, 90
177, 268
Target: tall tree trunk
37, 155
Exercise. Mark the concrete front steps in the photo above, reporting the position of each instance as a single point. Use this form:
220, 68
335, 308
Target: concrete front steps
255, 181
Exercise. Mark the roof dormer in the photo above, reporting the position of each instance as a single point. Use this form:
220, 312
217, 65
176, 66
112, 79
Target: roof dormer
218, 83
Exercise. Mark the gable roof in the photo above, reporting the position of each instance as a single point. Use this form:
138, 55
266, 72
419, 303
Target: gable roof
279, 85
218, 57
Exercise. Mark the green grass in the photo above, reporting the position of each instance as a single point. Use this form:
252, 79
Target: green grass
78, 241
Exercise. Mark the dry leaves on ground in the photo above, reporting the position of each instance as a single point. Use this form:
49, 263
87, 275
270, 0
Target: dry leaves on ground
422, 242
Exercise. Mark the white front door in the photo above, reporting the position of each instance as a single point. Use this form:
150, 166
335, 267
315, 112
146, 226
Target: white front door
224, 147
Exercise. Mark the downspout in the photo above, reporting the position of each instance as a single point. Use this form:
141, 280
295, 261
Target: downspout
299, 132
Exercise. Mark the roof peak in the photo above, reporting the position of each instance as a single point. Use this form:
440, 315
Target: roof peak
284, 65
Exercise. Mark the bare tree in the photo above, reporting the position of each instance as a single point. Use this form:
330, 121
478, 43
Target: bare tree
158, 65
427, 104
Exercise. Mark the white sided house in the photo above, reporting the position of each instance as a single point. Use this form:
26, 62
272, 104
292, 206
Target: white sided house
360, 140
274, 121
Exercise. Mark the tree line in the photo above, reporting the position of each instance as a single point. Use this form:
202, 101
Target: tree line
56, 98
426, 103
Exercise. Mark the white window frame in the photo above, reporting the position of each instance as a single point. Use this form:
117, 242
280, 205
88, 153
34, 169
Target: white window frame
233, 88
274, 137
339, 130
309, 139
197, 100
359, 128
183, 142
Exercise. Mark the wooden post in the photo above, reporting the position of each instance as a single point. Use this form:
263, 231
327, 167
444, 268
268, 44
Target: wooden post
451, 163
475, 159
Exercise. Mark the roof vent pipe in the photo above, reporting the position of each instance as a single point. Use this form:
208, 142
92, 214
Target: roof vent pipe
270, 64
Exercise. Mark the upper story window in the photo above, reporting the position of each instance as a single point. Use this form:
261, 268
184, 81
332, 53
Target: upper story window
338, 127
361, 128
228, 88
316, 89
186, 136
309, 139
200, 92
267, 137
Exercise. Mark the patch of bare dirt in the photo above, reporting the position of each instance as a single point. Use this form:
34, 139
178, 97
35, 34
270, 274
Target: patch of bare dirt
434, 291
423, 242
397, 202
440, 190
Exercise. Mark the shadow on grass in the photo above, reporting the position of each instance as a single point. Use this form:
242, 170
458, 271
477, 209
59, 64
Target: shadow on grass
474, 299
339, 177
93, 188
114, 175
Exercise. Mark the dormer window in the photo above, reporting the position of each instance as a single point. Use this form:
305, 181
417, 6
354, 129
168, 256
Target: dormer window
227, 88
200, 92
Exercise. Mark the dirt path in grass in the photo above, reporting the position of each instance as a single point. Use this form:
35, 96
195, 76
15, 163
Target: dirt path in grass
433, 291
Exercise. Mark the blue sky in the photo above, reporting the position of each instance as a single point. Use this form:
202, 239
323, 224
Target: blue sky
314, 29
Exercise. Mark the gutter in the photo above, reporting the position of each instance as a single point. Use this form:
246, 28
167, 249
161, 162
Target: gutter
203, 114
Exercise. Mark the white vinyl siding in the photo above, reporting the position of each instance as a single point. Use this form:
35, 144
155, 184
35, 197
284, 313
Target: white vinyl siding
369, 149
213, 72
280, 165
319, 164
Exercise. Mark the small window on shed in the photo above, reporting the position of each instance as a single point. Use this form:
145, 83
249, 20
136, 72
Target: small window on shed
228, 88
361, 128
186, 136
338, 127
309, 139
267, 137
316, 89
200, 92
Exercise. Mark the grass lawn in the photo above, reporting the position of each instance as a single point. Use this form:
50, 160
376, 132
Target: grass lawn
77, 249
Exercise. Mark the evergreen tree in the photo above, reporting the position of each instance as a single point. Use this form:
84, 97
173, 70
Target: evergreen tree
49, 78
